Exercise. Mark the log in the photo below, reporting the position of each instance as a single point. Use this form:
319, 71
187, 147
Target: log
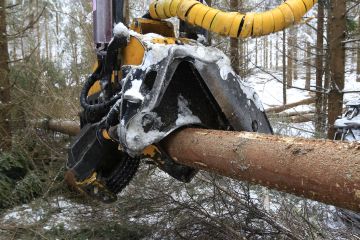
290, 114
290, 105
321, 170
68, 127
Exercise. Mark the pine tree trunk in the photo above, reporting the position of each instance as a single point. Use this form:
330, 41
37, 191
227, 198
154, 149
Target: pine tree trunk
319, 128
256, 51
308, 66
47, 45
289, 72
234, 43
38, 34
265, 53
271, 54
358, 54
295, 54
277, 52
241, 55
337, 29
284, 66
327, 71
5, 97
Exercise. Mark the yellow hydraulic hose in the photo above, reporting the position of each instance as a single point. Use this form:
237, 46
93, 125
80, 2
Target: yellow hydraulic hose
233, 24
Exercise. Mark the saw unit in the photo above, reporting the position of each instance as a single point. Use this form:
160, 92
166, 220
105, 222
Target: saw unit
151, 80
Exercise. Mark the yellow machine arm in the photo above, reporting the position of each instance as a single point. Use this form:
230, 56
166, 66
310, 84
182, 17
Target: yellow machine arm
233, 24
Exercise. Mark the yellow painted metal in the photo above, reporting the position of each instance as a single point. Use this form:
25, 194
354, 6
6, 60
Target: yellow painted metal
234, 30
309, 4
165, 41
167, 8
255, 24
150, 151
185, 7
144, 26
258, 25
248, 25
201, 15
193, 13
160, 9
222, 22
298, 9
152, 10
209, 17
268, 24
279, 20
106, 134
95, 88
174, 7
288, 15
134, 52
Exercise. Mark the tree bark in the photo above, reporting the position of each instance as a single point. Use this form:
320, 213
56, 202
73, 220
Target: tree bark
295, 53
321, 170
256, 51
284, 66
319, 128
358, 54
327, 72
277, 52
234, 43
290, 58
337, 29
308, 66
5, 97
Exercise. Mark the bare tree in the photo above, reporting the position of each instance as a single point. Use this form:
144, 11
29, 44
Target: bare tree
319, 67
5, 97
358, 54
234, 43
337, 27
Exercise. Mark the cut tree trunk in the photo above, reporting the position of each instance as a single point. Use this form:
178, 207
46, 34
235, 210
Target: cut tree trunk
321, 170
337, 30
324, 171
5, 87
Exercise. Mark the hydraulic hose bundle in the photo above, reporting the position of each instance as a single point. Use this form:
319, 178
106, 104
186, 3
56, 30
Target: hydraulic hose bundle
233, 24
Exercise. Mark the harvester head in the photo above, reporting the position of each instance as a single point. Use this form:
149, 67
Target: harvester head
148, 84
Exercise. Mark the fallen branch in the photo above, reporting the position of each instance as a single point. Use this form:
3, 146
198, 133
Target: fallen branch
290, 105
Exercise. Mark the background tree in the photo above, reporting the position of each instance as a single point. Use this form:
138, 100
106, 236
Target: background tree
337, 31
5, 86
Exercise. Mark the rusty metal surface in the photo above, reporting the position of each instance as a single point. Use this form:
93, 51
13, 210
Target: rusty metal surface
321, 170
